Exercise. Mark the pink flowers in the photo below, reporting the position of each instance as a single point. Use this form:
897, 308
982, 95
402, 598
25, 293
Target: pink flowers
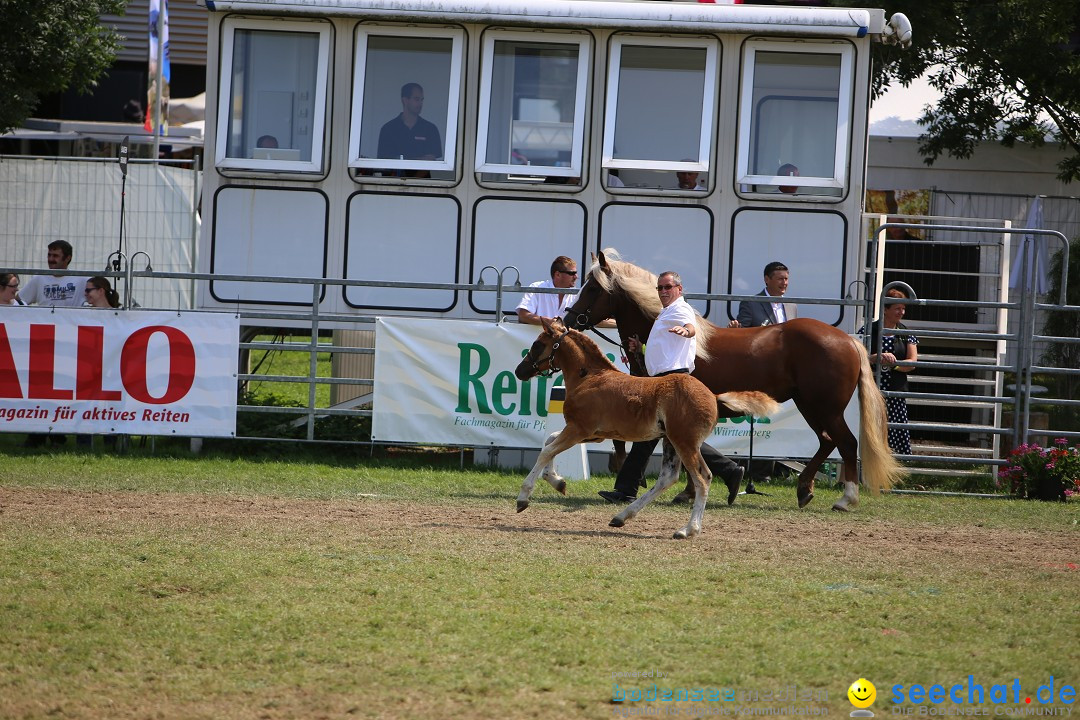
1044, 473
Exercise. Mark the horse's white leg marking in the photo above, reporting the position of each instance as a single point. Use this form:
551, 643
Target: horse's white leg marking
701, 476
552, 447
554, 479
849, 499
669, 474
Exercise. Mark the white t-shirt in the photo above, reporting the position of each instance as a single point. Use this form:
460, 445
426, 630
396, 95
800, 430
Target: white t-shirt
546, 304
50, 291
665, 350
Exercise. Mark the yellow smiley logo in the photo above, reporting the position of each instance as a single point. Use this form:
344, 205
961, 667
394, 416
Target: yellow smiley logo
862, 693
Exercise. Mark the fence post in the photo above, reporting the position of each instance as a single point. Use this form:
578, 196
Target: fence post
313, 357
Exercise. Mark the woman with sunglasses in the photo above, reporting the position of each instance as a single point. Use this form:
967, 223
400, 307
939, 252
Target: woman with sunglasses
99, 293
9, 289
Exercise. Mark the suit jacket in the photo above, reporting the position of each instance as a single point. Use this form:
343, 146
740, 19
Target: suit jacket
754, 314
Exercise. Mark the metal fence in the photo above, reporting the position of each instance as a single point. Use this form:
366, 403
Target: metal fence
1012, 386
80, 199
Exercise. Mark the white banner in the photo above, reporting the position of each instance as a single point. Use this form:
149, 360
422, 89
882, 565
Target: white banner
451, 382
84, 370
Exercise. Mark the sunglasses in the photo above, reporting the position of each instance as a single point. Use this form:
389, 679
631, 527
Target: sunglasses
87, 291
12, 285
667, 287
569, 272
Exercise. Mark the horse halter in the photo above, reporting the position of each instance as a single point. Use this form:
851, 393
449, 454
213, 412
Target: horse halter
550, 359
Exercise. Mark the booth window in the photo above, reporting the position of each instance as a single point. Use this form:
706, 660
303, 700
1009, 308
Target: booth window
273, 90
794, 118
406, 100
532, 107
658, 125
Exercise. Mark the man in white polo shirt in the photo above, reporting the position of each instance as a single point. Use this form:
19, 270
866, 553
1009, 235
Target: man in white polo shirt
670, 349
534, 306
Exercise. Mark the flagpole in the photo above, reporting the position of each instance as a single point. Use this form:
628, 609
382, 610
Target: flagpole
159, 79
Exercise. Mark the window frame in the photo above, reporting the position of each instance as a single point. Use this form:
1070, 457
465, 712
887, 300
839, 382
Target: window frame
320, 123
747, 113
450, 137
708, 105
581, 98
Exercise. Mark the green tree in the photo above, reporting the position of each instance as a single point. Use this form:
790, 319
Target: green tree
1003, 67
49, 46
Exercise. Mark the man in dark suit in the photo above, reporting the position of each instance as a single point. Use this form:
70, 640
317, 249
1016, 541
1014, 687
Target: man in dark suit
754, 314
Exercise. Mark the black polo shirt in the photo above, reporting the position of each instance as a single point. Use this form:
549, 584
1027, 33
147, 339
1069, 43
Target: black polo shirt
397, 140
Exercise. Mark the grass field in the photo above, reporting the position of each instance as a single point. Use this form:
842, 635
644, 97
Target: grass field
332, 586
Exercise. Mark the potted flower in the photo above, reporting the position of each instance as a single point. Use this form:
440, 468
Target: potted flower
1051, 473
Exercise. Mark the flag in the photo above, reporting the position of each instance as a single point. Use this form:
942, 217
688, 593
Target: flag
158, 7
1037, 260
556, 400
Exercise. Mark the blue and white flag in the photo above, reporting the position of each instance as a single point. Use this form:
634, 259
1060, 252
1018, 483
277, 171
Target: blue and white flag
158, 7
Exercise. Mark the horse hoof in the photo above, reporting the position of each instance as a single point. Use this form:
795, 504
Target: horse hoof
804, 500
840, 508
522, 504
617, 522
679, 535
681, 499
562, 487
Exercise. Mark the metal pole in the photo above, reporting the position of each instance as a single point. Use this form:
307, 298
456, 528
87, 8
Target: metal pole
313, 360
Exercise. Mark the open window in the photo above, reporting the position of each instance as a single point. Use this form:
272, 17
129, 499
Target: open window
274, 76
406, 101
794, 118
532, 106
658, 124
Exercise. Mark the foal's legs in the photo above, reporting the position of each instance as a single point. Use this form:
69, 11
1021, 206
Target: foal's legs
554, 479
555, 444
701, 477
669, 473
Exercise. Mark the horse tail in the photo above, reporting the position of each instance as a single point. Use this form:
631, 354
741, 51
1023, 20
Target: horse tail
746, 402
705, 331
879, 466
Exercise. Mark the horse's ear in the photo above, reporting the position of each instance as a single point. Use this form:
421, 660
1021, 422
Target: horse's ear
603, 260
546, 323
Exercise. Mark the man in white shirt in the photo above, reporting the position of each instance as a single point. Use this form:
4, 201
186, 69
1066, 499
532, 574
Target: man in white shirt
50, 290
534, 306
670, 349
753, 313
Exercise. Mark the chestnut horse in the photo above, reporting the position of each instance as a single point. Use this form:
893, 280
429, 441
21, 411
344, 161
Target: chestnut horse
816, 365
604, 403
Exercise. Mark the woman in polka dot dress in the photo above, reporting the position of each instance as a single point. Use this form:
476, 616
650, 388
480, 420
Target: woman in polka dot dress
894, 349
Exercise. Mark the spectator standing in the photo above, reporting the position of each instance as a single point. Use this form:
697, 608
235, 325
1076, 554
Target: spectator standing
409, 136
670, 349
9, 289
894, 349
99, 293
533, 306
753, 313
53, 291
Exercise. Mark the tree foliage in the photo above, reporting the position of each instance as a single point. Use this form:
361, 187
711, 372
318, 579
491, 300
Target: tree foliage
1009, 70
49, 46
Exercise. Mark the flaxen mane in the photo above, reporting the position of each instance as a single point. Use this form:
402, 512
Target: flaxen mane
640, 286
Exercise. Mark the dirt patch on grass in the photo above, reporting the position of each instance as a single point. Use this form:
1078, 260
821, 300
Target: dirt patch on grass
726, 531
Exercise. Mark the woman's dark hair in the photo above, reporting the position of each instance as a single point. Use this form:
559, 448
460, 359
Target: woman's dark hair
103, 283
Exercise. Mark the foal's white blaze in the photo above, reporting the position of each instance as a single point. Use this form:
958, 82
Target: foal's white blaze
849, 499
